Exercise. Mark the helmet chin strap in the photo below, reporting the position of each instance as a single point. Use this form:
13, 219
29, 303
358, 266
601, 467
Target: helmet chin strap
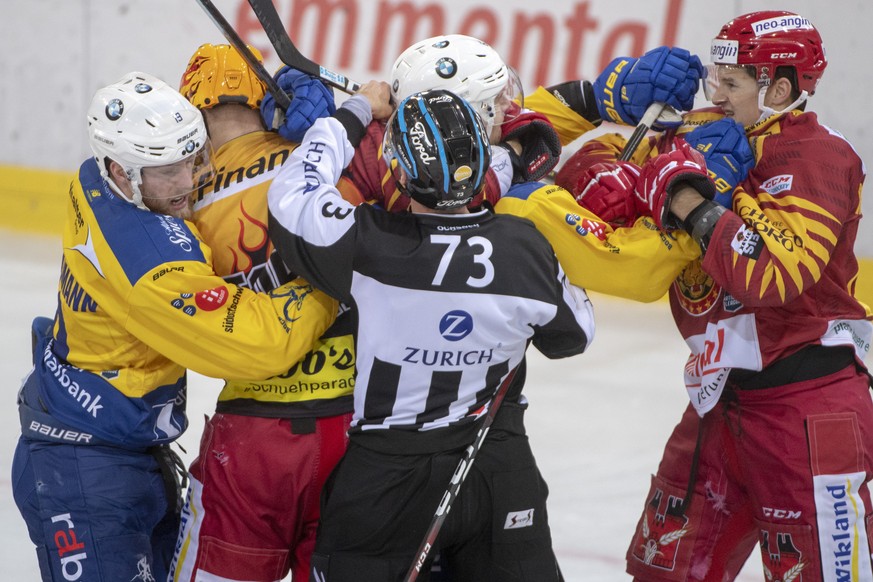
134, 178
769, 111
486, 113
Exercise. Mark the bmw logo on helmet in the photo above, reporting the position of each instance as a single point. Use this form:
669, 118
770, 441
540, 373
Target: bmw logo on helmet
189, 147
441, 44
446, 68
114, 109
142, 88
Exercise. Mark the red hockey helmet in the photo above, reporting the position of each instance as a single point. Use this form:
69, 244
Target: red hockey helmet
770, 39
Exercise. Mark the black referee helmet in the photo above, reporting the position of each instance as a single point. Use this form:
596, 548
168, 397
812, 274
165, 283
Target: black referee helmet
439, 142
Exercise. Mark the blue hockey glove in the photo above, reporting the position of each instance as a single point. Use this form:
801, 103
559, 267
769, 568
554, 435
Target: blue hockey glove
626, 88
310, 99
728, 156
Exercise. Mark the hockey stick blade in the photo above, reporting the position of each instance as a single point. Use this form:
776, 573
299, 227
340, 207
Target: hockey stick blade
281, 97
654, 112
288, 53
451, 493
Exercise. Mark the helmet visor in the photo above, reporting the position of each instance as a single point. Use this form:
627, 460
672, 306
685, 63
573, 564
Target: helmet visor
181, 178
505, 106
716, 75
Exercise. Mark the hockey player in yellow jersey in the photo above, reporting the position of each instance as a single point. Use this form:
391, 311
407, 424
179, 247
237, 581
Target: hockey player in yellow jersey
284, 434
637, 262
634, 260
138, 303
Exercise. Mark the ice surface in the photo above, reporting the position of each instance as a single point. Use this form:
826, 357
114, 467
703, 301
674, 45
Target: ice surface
597, 422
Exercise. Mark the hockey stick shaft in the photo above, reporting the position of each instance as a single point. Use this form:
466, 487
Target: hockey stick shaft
288, 53
458, 477
281, 97
649, 118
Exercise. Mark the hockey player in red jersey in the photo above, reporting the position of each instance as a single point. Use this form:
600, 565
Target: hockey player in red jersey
285, 433
776, 448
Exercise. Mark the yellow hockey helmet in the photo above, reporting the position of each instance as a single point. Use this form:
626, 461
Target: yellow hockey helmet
218, 74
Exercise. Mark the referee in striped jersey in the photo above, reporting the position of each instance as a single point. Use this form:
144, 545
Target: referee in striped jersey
447, 302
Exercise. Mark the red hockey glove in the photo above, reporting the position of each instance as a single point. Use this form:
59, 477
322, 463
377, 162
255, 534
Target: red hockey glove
540, 144
607, 190
662, 175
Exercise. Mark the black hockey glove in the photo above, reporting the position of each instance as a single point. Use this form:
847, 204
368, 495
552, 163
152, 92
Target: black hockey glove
540, 146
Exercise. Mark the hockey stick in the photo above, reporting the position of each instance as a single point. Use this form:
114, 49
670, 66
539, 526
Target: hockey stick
288, 53
654, 112
458, 477
282, 98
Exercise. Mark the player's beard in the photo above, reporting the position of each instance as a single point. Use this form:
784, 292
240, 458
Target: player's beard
180, 207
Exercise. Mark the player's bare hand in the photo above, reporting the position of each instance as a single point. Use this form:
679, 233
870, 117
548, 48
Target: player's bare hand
378, 93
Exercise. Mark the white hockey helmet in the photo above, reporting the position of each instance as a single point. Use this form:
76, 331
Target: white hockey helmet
140, 121
464, 65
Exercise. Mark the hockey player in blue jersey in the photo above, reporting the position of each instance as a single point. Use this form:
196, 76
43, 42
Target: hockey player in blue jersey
138, 303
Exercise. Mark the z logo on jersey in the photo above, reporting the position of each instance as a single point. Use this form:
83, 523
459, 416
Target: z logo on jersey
456, 325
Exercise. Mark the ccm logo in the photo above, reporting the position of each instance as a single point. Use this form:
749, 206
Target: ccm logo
778, 56
781, 513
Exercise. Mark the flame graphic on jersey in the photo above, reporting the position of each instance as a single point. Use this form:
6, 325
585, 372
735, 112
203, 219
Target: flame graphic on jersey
251, 254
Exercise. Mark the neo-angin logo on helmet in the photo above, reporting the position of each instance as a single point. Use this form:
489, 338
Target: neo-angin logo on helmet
114, 109
446, 68
724, 51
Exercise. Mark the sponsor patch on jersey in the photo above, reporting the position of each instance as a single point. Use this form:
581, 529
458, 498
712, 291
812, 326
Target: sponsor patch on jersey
598, 229
778, 184
584, 226
211, 299
181, 303
730, 303
747, 243
456, 325
519, 519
